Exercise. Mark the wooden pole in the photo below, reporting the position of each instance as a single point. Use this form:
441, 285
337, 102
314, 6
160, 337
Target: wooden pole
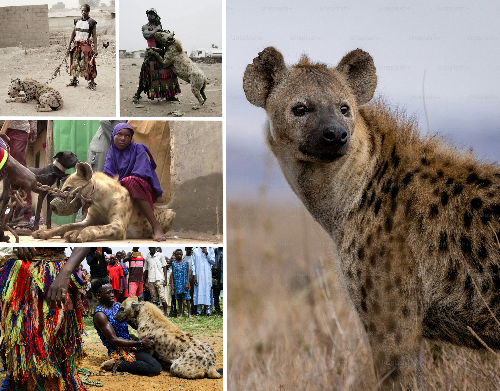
5, 126
49, 143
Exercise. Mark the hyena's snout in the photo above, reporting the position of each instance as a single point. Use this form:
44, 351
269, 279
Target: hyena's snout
334, 135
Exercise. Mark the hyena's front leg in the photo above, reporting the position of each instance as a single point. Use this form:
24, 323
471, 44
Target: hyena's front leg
112, 231
60, 231
21, 99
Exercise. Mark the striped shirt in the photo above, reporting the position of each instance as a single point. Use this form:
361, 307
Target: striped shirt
83, 29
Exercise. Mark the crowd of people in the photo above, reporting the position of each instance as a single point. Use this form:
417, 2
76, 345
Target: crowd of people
186, 283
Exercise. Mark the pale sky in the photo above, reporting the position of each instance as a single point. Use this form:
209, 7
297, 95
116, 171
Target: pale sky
67, 3
456, 43
196, 23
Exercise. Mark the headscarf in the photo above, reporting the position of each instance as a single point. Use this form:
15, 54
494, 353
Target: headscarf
135, 160
153, 11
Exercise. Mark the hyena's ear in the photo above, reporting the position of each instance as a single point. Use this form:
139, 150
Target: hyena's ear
262, 75
360, 73
136, 306
84, 170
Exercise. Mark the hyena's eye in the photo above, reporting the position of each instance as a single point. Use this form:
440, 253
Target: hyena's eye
300, 110
344, 109
67, 188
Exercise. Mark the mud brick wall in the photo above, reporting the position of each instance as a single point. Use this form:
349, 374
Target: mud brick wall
197, 184
27, 25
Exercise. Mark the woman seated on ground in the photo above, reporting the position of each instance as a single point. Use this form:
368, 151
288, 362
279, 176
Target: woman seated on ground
114, 335
135, 167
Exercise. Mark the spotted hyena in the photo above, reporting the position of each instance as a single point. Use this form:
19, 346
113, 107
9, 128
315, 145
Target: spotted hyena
47, 97
188, 357
415, 221
181, 64
111, 212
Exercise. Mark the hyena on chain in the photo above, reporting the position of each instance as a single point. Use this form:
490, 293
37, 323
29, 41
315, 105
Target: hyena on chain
415, 221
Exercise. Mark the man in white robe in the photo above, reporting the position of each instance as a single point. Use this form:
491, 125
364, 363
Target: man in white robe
203, 258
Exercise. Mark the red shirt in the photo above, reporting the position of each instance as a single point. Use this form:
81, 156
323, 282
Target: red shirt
115, 272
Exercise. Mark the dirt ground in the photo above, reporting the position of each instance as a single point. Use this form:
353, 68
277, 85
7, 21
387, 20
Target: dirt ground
164, 381
40, 63
172, 238
129, 80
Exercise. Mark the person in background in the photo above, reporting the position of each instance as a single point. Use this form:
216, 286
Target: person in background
115, 273
180, 283
217, 274
189, 258
119, 256
135, 276
168, 293
97, 262
155, 271
203, 258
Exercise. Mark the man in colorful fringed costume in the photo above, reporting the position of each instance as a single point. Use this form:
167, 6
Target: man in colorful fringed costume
42, 318
155, 81
115, 337
82, 56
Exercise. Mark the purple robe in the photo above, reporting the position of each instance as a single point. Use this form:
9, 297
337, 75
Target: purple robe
135, 160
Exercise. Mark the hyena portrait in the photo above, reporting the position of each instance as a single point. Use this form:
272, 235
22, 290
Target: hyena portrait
415, 221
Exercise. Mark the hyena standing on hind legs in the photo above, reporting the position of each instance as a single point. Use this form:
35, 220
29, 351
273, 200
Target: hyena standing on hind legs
414, 220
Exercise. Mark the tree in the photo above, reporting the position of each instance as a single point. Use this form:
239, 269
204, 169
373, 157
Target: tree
215, 47
58, 6
111, 3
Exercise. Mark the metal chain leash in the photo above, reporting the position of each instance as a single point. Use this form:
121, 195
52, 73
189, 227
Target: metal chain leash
70, 196
57, 71
18, 197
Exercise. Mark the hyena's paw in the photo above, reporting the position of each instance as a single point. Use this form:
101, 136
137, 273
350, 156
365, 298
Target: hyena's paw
42, 234
73, 236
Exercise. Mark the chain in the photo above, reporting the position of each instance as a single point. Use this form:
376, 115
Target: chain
16, 198
70, 196
57, 71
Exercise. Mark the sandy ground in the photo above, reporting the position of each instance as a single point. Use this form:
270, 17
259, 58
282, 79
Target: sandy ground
164, 381
172, 238
40, 63
129, 80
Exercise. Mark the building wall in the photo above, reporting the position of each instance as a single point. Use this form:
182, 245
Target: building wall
25, 25
197, 184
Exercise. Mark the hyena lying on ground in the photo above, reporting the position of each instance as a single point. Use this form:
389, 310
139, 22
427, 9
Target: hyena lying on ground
188, 357
415, 221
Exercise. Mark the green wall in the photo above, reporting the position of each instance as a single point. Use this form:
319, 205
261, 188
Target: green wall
73, 135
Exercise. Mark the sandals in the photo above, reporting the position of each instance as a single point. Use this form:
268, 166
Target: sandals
92, 86
72, 83
136, 99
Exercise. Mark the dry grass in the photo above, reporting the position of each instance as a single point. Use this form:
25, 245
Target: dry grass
290, 324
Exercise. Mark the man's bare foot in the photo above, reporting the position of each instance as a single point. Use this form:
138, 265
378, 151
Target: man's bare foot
108, 365
158, 235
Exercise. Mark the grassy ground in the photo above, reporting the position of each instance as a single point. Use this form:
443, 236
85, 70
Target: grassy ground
208, 329
290, 324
